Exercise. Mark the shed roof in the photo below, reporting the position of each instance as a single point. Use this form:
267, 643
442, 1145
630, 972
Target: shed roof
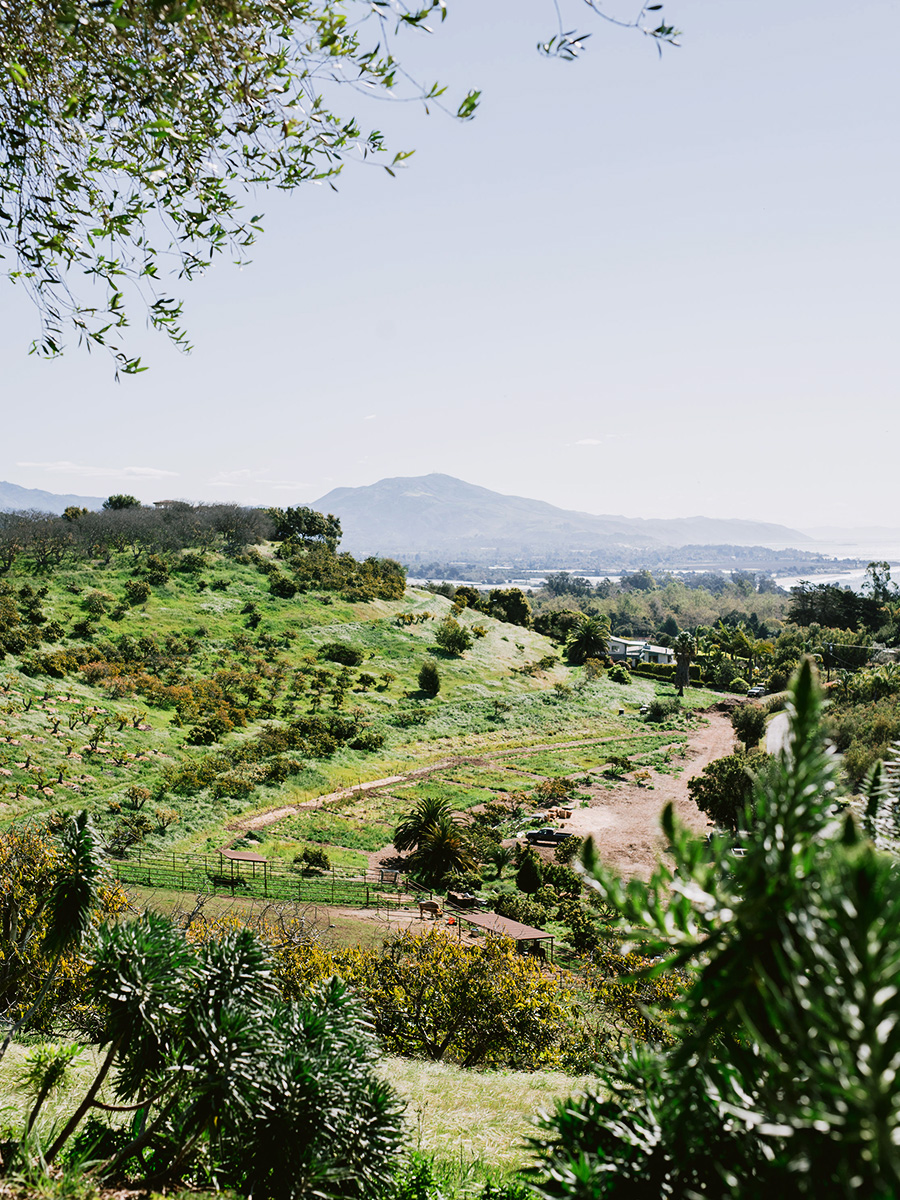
242, 855
494, 923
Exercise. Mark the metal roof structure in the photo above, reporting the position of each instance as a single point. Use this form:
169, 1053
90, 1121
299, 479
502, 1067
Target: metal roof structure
242, 856
504, 926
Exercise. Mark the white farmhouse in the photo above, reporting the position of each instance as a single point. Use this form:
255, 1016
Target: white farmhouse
635, 650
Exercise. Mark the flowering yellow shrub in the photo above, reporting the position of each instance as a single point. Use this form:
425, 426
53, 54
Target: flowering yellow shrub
29, 860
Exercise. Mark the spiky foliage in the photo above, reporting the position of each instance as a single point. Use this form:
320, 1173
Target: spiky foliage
280, 1099
76, 883
412, 828
588, 639
443, 850
325, 1124
783, 1079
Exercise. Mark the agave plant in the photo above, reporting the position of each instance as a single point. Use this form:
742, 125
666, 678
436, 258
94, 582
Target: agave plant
282, 1099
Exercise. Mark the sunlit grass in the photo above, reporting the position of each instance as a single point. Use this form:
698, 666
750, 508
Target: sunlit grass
475, 1116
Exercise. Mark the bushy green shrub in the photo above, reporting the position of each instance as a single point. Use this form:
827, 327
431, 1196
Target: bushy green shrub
429, 677
313, 858
566, 852
520, 908
863, 733
529, 876
368, 740
619, 673
342, 652
282, 587
749, 723
97, 603
559, 875
191, 562
452, 637
739, 686
137, 591
156, 570
583, 930
723, 788
662, 708
57, 664
778, 679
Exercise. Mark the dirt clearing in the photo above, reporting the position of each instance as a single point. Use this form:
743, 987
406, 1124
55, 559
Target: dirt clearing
624, 820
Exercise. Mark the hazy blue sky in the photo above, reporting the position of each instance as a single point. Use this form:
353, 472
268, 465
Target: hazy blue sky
639, 285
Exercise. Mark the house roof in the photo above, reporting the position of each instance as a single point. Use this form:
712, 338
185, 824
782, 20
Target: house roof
641, 644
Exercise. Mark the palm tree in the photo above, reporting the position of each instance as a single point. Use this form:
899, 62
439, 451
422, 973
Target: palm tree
588, 639
443, 850
501, 858
411, 828
685, 648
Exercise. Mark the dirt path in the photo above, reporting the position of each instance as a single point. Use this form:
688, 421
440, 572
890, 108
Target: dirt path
624, 822
776, 734
273, 815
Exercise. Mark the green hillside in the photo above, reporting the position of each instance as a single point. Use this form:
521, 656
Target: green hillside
171, 693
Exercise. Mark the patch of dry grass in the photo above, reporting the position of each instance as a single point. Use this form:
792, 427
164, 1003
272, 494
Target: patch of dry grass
473, 1116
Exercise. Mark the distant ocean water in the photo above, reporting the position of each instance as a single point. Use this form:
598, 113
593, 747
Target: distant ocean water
863, 552
871, 552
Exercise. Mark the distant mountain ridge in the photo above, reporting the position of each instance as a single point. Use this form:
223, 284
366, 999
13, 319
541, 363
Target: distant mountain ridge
440, 516
14, 498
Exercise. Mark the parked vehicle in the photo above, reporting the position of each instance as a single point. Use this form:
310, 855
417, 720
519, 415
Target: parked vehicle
758, 689
553, 836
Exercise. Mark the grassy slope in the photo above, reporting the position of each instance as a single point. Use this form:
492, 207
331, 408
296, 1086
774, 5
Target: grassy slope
480, 1117
464, 1116
41, 771
466, 1119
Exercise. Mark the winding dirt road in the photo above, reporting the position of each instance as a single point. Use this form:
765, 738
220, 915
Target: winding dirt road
624, 822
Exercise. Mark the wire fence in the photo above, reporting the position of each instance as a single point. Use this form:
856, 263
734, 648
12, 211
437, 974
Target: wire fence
211, 873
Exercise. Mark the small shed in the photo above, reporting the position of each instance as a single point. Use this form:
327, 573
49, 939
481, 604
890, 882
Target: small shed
244, 856
506, 927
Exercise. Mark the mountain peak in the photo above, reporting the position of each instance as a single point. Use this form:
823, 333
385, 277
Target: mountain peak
439, 516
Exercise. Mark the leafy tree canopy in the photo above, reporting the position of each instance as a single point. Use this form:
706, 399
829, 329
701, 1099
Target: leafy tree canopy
723, 789
118, 502
306, 526
433, 997
452, 637
131, 129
